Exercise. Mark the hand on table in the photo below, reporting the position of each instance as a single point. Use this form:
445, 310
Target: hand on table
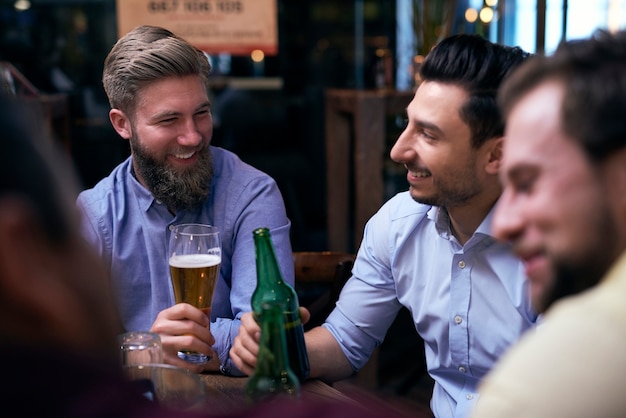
183, 326
246, 345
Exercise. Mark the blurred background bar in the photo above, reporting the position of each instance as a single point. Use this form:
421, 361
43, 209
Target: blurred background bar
319, 114
271, 108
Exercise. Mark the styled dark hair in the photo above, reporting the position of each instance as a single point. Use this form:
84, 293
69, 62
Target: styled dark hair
144, 55
33, 169
593, 74
478, 66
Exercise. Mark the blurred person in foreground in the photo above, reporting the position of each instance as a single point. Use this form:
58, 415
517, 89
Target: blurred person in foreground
157, 86
57, 322
57, 319
431, 248
564, 210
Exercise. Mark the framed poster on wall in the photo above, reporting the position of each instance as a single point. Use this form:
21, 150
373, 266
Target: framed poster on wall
236, 27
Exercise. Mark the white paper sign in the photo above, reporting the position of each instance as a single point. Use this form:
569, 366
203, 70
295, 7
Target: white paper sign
230, 26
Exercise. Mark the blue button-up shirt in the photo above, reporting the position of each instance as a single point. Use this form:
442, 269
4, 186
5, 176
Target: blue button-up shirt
130, 230
469, 303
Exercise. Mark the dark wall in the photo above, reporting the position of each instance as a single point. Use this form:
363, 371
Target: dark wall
60, 46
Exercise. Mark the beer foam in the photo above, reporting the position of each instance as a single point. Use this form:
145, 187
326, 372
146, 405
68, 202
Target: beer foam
195, 260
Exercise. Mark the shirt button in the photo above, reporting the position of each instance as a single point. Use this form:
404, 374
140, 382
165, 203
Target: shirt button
469, 396
462, 369
458, 319
462, 264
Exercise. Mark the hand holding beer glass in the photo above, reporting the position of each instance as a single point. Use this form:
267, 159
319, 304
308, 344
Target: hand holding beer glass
195, 256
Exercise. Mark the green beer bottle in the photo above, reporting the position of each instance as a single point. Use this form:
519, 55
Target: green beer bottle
272, 376
272, 288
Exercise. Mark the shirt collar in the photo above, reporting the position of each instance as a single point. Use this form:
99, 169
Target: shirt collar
485, 226
440, 216
144, 196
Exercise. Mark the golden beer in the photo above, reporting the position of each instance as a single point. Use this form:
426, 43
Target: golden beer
195, 258
194, 277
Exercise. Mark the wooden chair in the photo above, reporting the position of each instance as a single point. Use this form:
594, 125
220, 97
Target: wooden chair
319, 278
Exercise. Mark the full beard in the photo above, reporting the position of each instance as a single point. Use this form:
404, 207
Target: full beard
571, 280
587, 268
178, 190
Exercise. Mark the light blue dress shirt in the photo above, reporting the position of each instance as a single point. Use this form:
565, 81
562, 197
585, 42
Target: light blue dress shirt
130, 230
469, 303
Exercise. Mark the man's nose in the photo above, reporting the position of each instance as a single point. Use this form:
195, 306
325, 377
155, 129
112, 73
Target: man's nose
401, 150
507, 222
190, 135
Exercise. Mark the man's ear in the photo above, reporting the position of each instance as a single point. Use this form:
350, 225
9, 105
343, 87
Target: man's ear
494, 155
120, 123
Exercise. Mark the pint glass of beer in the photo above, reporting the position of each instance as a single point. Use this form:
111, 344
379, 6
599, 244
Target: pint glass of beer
195, 256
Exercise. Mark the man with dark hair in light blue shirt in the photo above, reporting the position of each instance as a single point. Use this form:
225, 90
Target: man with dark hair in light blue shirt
431, 248
157, 85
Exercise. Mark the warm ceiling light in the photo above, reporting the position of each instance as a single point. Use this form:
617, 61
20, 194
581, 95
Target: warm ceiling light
257, 55
21, 5
486, 15
471, 15
491, 3
614, 15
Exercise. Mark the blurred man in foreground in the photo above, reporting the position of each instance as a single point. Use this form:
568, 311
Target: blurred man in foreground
564, 210
57, 322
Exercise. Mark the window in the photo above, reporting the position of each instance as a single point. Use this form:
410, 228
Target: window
564, 19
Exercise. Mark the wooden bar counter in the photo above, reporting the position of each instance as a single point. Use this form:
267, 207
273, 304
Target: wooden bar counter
227, 395
230, 391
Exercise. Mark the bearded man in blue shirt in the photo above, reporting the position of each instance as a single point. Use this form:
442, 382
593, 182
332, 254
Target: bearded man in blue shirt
157, 86
431, 248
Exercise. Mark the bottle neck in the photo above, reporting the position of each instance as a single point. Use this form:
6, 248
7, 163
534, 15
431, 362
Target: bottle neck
270, 284
268, 271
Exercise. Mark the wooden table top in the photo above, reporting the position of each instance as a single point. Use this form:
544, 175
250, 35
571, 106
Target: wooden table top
227, 394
